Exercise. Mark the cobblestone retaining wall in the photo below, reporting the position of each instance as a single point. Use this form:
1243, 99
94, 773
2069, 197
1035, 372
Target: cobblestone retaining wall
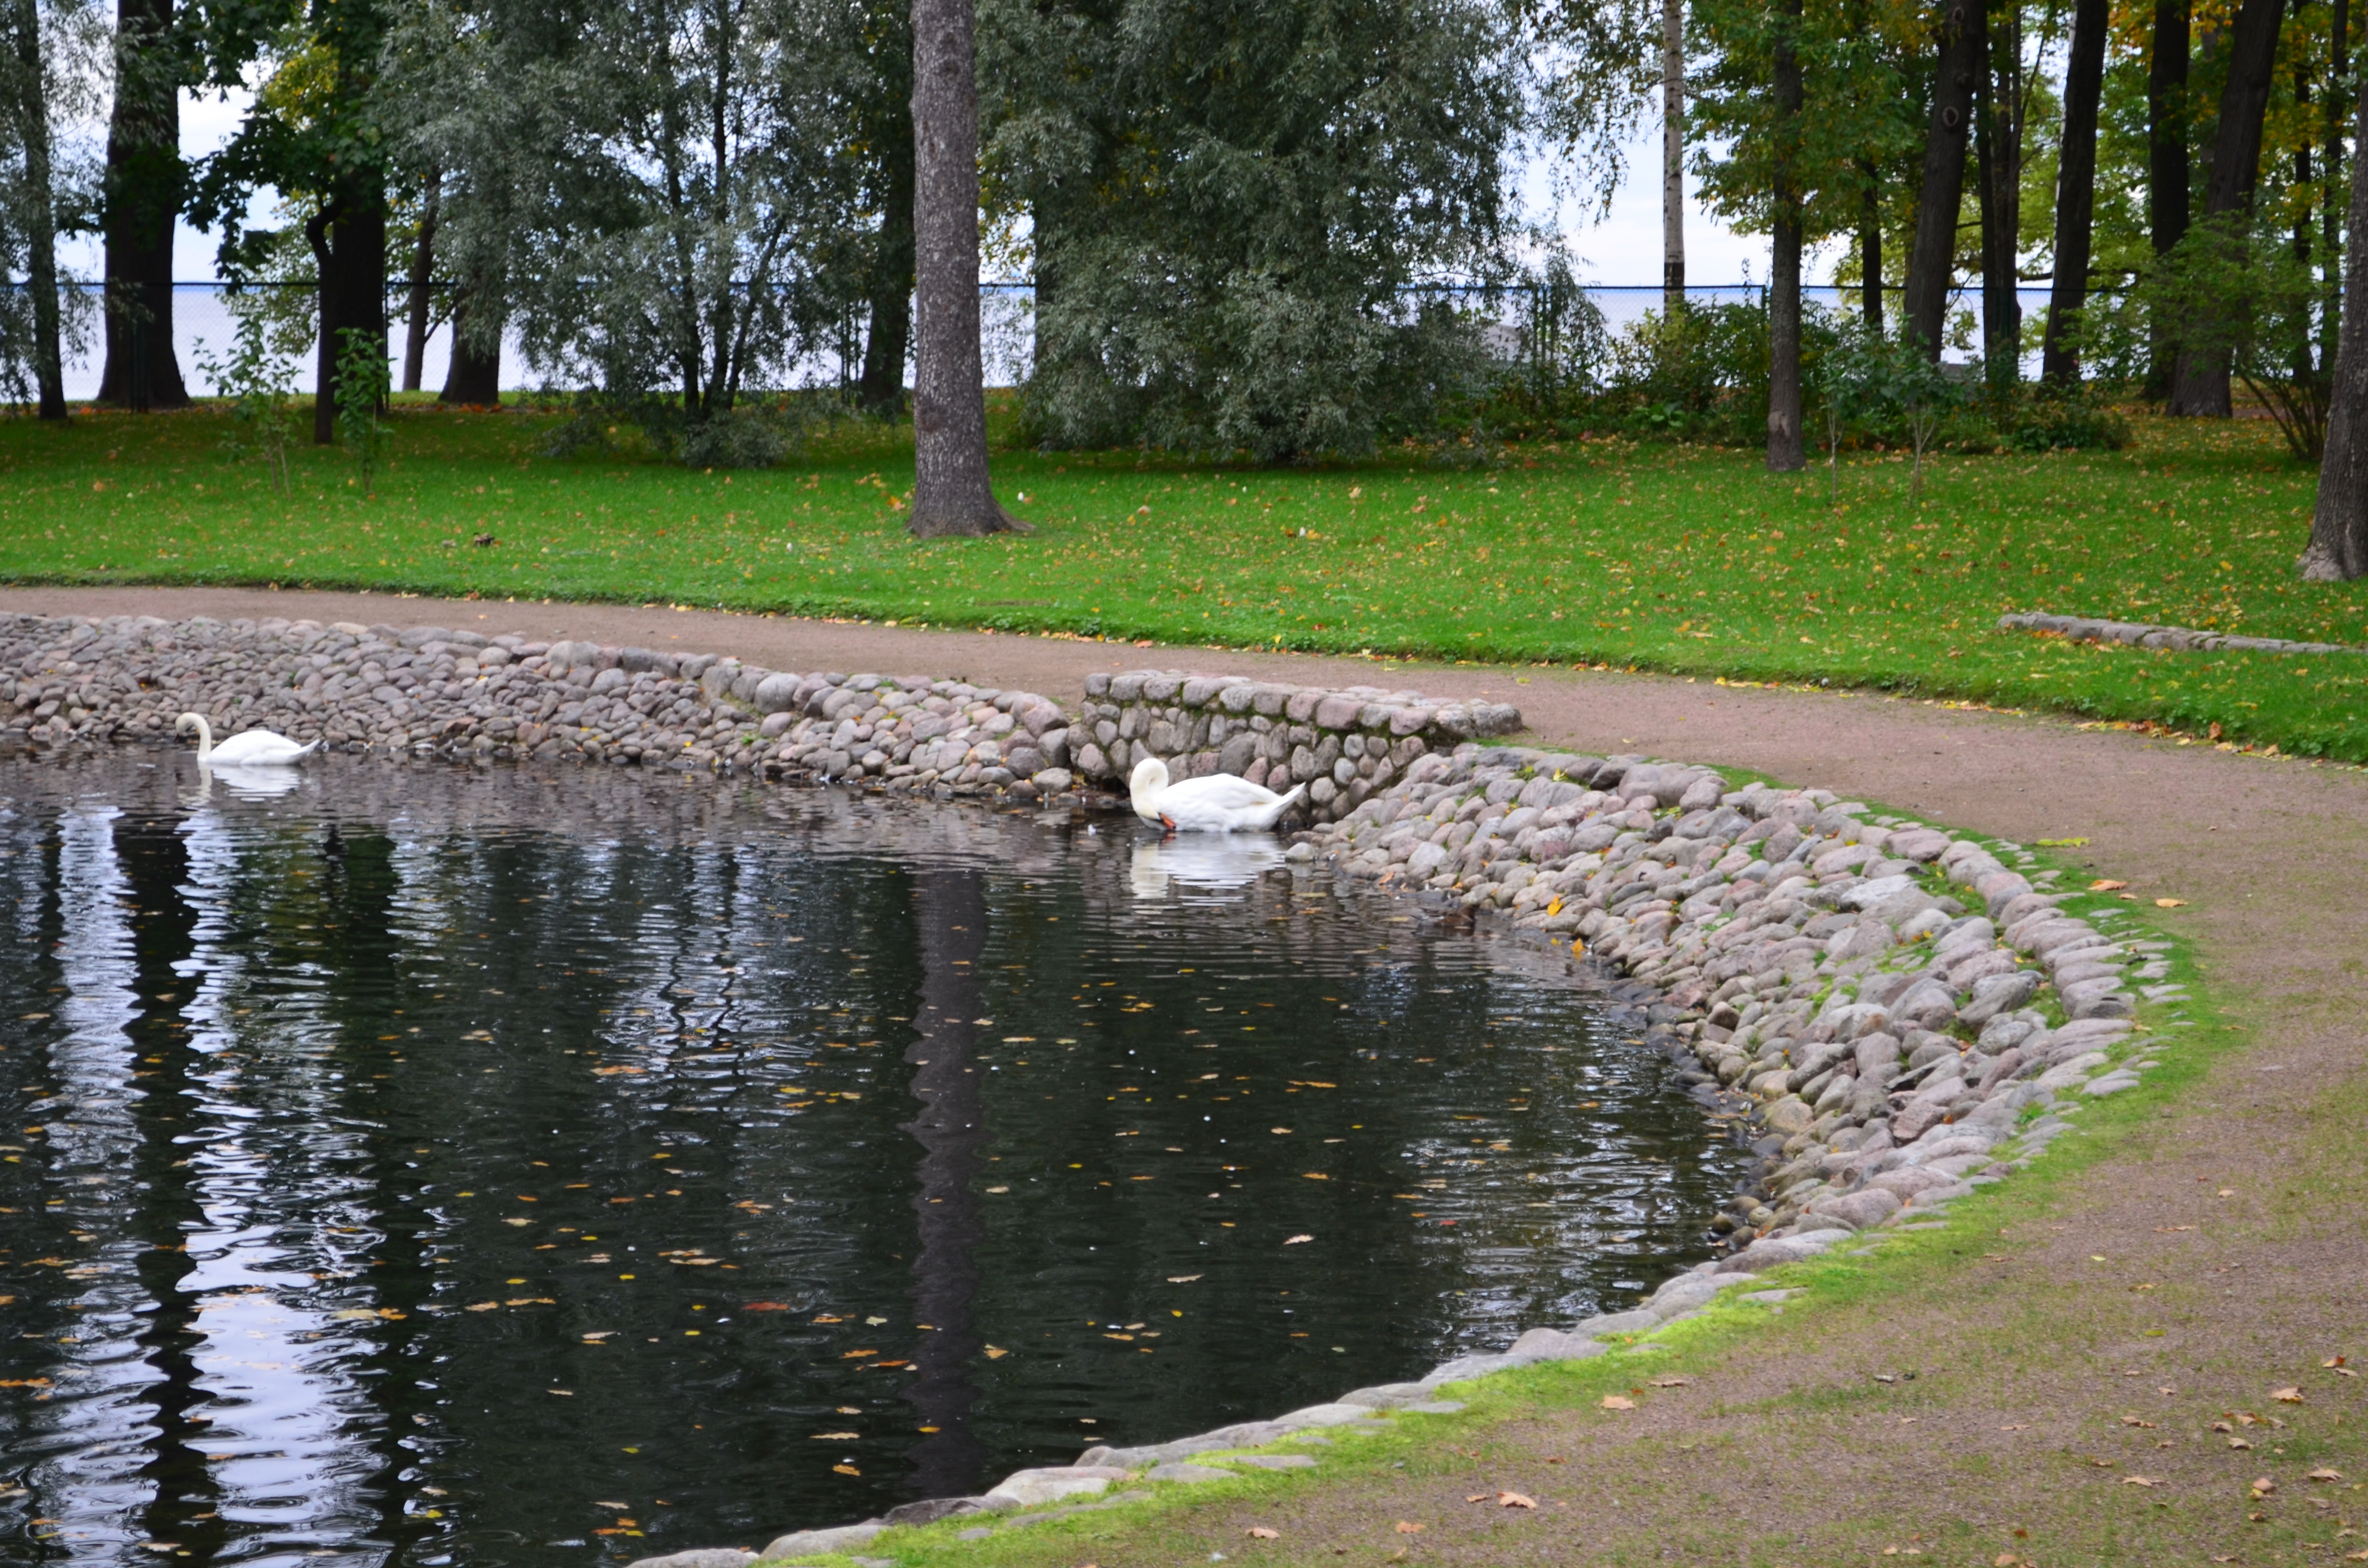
1344, 744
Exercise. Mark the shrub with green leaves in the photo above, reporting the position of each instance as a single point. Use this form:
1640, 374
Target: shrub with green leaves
362, 387
257, 379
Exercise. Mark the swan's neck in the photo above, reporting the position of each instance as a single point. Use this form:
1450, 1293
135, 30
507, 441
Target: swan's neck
205, 736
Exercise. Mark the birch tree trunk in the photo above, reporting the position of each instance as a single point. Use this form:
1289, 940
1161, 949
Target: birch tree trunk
951, 495
1673, 155
2076, 193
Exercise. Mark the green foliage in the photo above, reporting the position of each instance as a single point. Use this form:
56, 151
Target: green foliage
255, 378
744, 436
2066, 419
362, 388
1231, 204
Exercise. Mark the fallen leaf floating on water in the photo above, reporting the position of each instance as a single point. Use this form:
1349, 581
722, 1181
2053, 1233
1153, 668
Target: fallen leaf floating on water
1181, 1278
835, 1437
1259, 1532
1410, 1527
996, 1353
1515, 1500
1294, 1241
1615, 1402
765, 1307
612, 1072
845, 1469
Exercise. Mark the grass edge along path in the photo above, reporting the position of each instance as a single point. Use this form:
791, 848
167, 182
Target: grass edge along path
1603, 554
1477, 1486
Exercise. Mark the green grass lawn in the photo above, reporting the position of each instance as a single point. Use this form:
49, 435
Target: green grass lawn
1674, 558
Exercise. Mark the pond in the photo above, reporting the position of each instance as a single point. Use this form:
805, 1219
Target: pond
550, 1166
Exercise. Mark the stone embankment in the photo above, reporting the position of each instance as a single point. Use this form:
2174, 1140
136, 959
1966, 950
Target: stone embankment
1898, 1015
454, 693
2140, 634
1345, 746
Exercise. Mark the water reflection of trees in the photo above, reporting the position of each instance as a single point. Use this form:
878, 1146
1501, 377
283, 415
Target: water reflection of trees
593, 994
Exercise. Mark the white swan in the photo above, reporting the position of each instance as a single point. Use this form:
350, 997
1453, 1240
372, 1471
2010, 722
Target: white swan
248, 748
1222, 803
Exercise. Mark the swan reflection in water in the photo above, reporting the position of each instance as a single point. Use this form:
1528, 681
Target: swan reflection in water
1202, 863
243, 783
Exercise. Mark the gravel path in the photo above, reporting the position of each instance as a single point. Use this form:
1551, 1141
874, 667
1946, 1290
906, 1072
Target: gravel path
2217, 1254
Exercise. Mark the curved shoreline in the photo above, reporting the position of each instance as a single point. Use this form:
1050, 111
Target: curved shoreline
1830, 926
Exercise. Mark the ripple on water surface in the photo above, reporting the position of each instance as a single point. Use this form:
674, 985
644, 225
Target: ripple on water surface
422, 1166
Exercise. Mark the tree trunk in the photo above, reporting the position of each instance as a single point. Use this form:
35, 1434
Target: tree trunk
949, 911
1784, 439
144, 199
349, 248
2076, 193
2339, 529
1869, 243
474, 379
951, 493
1997, 120
32, 114
2168, 175
1961, 58
889, 340
1673, 155
2199, 384
423, 275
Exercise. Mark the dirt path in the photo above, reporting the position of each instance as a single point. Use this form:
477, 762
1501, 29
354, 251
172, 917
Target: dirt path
2217, 1251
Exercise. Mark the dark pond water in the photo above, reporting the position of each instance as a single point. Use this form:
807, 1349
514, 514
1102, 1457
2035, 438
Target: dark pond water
428, 1167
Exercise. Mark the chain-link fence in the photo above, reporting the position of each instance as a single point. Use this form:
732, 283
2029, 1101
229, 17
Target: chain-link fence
204, 324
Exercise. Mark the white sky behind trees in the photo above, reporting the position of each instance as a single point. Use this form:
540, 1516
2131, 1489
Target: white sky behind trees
1624, 248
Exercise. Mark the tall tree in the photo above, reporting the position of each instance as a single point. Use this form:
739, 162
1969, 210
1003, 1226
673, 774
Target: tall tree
2200, 382
885, 124
145, 183
2076, 192
418, 308
953, 495
2168, 192
2338, 552
1958, 65
1786, 445
35, 200
1673, 155
1870, 242
1241, 206
1999, 96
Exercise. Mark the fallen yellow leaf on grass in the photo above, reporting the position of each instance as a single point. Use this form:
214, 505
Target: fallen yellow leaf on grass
2171, 904
2141, 1481
2264, 1486
1408, 1527
1259, 1532
2288, 1395
1614, 1402
2106, 884
1515, 1500
2323, 1473
1672, 1382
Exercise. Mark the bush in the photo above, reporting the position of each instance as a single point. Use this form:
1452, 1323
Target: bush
2070, 419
